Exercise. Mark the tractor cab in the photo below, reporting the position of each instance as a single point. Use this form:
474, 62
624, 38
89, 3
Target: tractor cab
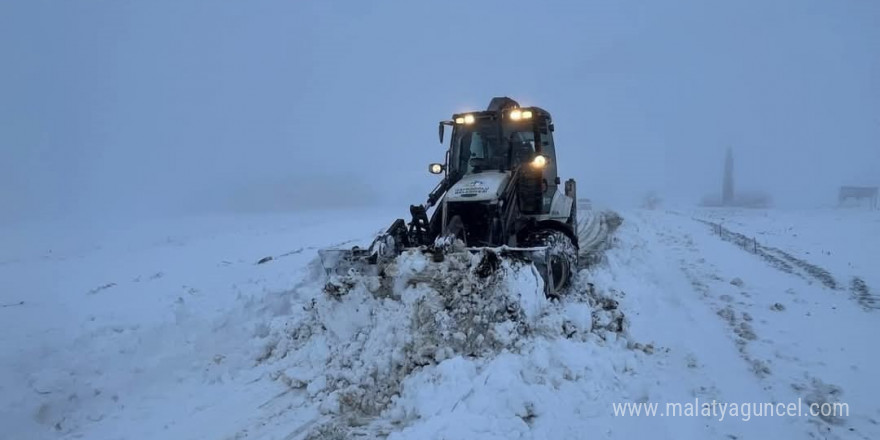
487, 146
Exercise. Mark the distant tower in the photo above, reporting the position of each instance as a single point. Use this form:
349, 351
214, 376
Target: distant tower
727, 186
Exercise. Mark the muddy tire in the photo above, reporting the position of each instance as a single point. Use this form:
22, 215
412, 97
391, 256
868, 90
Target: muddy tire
561, 265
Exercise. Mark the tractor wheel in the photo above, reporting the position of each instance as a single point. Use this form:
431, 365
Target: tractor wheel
561, 265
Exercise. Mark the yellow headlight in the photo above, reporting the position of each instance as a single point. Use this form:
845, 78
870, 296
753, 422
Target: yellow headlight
459, 120
527, 114
436, 168
516, 115
468, 119
539, 161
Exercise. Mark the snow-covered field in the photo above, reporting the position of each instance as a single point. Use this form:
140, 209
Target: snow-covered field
171, 330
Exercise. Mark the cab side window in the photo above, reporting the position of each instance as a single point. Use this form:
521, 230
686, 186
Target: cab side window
522, 145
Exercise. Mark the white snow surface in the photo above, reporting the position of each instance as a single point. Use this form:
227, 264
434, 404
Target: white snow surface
172, 330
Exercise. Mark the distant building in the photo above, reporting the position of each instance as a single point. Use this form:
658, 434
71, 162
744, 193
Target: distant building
859, 193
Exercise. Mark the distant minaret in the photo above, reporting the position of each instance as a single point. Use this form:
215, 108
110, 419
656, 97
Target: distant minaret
727, 187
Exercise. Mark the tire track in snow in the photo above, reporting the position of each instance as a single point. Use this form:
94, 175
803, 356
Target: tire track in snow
739, 322
863, 295
775, 257
802, 268
703, 344
742, 316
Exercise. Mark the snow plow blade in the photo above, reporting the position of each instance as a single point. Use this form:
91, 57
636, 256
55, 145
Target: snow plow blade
385, 247
363, 262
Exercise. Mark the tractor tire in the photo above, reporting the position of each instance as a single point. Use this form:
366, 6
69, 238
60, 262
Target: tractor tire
561, 266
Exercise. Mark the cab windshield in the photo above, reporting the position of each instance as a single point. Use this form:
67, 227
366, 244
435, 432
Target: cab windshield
482, 146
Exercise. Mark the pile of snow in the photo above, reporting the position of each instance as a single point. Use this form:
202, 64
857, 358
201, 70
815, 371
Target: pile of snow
375, 354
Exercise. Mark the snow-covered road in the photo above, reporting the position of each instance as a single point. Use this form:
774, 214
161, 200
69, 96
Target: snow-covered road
171, 330
740, 330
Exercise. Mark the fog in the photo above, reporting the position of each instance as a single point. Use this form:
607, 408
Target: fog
123, 108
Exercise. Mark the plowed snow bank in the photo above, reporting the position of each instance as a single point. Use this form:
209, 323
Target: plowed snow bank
378, 354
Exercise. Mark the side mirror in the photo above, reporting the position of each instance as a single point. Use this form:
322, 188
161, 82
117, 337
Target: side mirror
436, 168
441, 129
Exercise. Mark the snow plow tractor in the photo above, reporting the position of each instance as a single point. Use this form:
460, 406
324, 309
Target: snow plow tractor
500, 195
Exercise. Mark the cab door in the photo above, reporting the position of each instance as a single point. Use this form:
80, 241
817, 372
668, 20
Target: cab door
544, 130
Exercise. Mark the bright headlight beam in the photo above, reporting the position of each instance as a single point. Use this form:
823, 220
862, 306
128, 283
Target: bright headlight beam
459, 120
539, 161
516, 115
468, 119
527, 114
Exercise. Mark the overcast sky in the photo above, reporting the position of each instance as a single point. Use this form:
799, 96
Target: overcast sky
121, 106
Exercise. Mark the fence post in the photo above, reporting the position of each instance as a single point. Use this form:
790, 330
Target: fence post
756, 244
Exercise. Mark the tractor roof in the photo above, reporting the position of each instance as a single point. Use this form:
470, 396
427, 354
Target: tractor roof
502, 103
